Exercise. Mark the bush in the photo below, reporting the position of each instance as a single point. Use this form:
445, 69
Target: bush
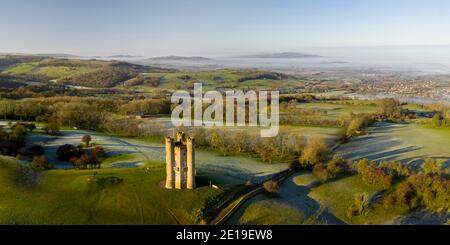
431, 166
98, 152
19, 129
86, 139
360, 206
373, 174
271, 186
335, 168
66, 152
422, 190
40, 162
316, 151
320, 171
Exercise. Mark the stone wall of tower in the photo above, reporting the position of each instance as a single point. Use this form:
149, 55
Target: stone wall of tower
170, 163
180, 162
190, 161
180, 166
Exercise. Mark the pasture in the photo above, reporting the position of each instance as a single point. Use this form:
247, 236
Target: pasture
338, 195
74, 197
223, 78
123, 152
53, 72
334, 110
407, 143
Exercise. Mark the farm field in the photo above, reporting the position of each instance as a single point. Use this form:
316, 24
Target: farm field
223, 78
338, 195
54, 72
407, 143
335, 110
74, 197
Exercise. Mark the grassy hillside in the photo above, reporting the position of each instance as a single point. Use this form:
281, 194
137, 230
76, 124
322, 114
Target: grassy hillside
227, 78
73, 197
88, 73
339, 195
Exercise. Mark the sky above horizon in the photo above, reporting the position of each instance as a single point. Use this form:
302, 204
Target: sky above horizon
217, 27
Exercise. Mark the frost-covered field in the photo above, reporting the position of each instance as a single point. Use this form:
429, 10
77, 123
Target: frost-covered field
129, 152
408, 143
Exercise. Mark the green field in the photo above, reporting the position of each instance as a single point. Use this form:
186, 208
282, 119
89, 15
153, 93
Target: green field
68, 197
335, 110
408, 143
222, 78
125, 152
53, 72
271, 212
338, 195
21, 69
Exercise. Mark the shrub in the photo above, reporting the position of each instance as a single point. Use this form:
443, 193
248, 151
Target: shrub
19, 129
360, 206
430, 191
374, 175
431, 166
396, 169
320, 171
66, 152
389, 108
271, 186
316, 151
40, 162
98, 152
86, 139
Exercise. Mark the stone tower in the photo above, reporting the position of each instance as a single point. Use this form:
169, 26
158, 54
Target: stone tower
180, 162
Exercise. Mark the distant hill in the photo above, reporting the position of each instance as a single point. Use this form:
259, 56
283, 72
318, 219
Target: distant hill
124, 56
179, 59
286, 55
77, 72
61, 56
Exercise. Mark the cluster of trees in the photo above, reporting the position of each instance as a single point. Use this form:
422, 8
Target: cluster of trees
263, 76
143, 80
315, 151
441, 116
81, 112
12, 141
357, 124
373, 174
79, 157
103, 78
284, 146
390, 109
146, 107
429, 188
336, 168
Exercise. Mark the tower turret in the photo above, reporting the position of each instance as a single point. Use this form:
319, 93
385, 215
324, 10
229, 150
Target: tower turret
170, 163
190, 163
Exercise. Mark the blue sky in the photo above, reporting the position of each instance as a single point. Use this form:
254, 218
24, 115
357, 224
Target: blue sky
217, 27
